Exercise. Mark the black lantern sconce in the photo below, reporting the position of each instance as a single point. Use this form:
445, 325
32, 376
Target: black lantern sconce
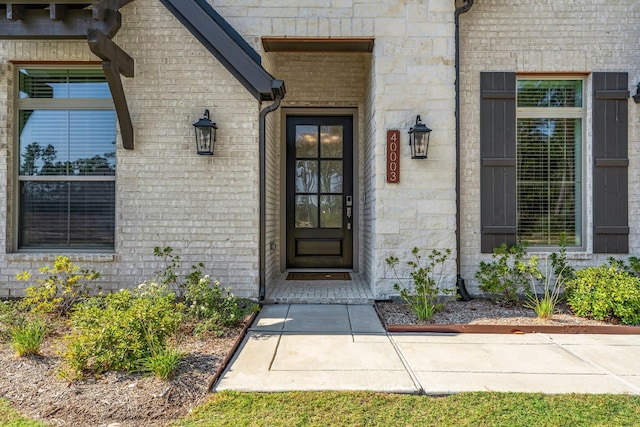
419, 139
205, 135
636, 97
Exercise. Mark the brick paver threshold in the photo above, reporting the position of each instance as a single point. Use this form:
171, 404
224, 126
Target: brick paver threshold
319, 276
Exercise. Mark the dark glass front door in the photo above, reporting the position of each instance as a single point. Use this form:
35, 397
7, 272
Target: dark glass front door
320, 203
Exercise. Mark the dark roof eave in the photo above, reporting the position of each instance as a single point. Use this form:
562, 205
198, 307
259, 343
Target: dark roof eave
227, 46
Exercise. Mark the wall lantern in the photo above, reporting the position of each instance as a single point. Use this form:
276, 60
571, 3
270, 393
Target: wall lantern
205, 135
636, 97
419, 139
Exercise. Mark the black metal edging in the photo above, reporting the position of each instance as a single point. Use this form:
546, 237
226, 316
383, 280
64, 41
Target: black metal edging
232, 352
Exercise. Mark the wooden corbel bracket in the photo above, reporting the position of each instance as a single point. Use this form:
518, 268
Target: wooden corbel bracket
115, 61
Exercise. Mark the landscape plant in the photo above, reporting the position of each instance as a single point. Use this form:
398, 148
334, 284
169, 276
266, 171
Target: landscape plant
64, 285
168, 275
421, 295
607, 293
545, 304
162, 362
211, 304
563, 271
27, 337
506, 275
116, 331
206, 300
9, 316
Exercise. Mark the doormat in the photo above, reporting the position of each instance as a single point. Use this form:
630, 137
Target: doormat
319, 276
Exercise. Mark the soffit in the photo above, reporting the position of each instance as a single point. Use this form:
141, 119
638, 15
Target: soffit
302, 44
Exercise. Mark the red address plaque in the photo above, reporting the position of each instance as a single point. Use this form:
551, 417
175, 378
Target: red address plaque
393, 156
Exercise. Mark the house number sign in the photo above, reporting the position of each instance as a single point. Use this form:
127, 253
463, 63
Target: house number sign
393, 156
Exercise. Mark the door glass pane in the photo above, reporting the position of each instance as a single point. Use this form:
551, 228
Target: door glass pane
331, 176
306, 141
330, 211
306, 211
306, 176
331, 141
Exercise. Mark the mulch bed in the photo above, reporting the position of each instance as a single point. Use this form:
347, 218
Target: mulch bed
33, 386
485, 316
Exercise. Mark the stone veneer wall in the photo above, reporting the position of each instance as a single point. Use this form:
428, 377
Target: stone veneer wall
546, 36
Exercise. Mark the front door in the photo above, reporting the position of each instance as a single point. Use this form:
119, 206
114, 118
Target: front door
320, 203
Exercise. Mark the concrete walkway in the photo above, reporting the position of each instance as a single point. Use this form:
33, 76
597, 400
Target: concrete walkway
344, 347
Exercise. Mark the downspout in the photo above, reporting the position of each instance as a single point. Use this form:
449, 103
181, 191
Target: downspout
463, 294
263, 193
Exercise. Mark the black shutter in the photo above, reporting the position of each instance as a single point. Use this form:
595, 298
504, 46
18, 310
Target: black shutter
610, 163
498, 160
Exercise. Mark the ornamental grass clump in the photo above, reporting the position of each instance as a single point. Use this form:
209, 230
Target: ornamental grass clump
162, 363
543, 304
422, 293
27, 337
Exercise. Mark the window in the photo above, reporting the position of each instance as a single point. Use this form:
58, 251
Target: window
66, 170
549, 161
531, 156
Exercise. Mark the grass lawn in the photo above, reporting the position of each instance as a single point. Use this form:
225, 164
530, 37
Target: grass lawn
10, 418
378, 409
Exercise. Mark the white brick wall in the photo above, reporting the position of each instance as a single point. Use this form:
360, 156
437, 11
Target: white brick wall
206, 208
552, 36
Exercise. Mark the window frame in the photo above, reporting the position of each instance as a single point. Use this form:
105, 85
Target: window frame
581, 113
53, 104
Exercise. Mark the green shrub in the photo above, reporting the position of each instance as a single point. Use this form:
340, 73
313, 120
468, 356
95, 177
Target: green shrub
64, 286
27, 337
562, 270
213, 306
421, 296
168, 275
506, 275
8, 317
116, 331
605, 292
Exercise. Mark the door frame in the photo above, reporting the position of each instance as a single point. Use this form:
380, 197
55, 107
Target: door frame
319, 111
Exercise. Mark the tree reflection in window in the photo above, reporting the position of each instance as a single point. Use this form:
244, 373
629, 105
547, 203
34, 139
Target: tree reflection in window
38, 160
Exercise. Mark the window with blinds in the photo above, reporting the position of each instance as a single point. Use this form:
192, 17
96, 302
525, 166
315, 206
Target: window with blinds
549, 161
67, 162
